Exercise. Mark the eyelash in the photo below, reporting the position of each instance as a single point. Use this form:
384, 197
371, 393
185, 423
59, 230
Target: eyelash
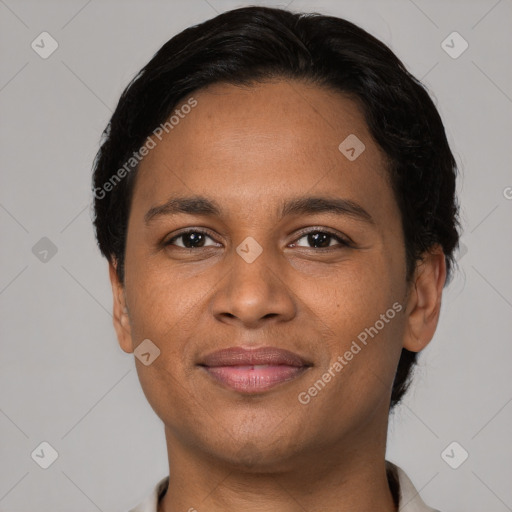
344, 242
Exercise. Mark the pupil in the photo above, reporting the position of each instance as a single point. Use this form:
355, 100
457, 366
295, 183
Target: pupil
319, 238
194, 238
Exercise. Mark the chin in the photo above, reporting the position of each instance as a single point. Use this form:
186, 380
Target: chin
261, 455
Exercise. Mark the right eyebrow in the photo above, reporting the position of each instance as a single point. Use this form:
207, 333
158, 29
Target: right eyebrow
195, 205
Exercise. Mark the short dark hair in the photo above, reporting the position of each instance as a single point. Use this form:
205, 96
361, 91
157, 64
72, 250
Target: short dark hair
254, 44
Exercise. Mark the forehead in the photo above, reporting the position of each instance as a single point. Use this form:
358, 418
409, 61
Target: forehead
265, 140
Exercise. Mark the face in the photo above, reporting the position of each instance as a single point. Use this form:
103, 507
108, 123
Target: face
294, 246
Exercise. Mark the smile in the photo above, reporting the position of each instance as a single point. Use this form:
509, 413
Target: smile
253, 370
254, 378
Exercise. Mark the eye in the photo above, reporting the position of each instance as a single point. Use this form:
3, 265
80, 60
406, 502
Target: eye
322, 239
319, 239
191, 239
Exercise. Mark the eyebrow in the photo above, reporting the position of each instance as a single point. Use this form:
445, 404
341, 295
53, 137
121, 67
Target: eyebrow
200, 205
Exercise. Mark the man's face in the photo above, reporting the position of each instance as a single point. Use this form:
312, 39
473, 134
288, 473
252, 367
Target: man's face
251, 151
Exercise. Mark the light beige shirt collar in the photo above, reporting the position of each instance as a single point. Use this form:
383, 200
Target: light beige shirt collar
410, 499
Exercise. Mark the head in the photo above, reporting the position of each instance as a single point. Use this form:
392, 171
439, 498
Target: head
246, 113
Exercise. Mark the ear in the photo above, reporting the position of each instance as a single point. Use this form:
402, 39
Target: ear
121, 319
424, 300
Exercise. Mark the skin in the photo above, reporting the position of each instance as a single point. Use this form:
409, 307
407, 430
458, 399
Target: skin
249, 149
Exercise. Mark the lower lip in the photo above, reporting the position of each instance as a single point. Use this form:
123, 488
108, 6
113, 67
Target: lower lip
254, 379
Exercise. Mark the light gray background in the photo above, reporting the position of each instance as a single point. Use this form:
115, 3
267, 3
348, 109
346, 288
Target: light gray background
64, 378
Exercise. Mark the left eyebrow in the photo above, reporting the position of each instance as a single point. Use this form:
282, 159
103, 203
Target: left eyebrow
337, 206
306, 205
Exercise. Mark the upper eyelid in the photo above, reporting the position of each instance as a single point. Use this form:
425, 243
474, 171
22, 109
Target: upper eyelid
319, 229
191, 230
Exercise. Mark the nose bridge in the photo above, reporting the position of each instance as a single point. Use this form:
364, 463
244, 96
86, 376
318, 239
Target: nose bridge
250, 250
253, 271
253, 289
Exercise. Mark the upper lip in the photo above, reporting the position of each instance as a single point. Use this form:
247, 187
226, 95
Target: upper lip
239, 356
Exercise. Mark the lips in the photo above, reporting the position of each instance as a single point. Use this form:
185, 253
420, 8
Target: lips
253, 370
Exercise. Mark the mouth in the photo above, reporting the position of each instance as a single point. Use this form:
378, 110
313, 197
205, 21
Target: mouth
252, 371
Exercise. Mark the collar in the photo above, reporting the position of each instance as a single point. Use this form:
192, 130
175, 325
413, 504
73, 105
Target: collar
409, 499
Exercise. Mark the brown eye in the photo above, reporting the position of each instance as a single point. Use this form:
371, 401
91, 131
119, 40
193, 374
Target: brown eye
322, 239
192, 239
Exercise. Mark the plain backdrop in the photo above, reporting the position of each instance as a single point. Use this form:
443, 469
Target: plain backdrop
63, 378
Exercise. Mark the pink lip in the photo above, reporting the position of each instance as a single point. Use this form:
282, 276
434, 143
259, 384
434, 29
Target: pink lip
253, 370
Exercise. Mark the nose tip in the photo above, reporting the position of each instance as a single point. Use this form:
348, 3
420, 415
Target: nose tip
253, 291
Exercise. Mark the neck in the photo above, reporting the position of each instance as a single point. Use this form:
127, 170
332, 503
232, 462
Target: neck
351, 478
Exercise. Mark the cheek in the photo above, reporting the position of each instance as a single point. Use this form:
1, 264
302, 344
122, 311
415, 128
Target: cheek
153, 290
160, 305
354, 296
164, 310
363, 314
364, 320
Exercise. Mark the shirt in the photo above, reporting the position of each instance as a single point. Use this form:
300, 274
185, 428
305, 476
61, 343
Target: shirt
409, 499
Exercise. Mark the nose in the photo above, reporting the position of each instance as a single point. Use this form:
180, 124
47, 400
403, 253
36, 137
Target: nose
255, 291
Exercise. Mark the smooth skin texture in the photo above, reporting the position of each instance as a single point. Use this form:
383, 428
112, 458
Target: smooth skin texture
250, 150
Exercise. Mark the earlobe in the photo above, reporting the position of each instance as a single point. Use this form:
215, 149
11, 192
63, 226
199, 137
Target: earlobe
121, 317
424, 303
